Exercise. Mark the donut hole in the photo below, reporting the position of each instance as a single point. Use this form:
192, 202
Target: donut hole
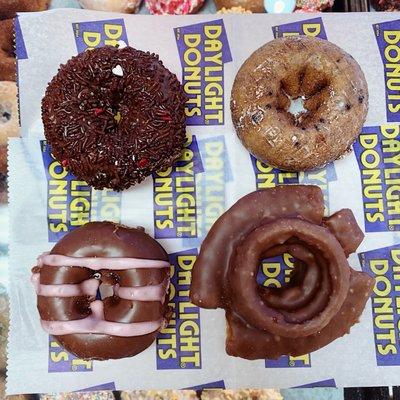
108, 284
296, 106
288, 278
105, 290
276, 272
302, 93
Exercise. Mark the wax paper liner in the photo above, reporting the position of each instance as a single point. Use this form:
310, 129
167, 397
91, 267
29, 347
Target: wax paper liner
215, 171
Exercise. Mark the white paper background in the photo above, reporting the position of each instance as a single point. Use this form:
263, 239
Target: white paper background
49, 41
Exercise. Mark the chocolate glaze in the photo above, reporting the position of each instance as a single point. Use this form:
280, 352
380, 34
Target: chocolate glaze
114, 347
324, 298
135, 277
114, 116
251, 211
105, 239
63, 308
60, 275
244, 267
304, 280
344, 226
315, 305
246, 342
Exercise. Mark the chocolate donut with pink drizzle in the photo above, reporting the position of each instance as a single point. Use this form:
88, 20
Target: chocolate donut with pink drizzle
102, 291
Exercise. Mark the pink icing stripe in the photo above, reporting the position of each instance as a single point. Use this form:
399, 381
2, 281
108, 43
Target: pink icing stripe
88, 287
95, 323
96, 263
142, 293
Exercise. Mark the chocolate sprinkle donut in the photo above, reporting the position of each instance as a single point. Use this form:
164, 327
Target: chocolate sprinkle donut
114, 116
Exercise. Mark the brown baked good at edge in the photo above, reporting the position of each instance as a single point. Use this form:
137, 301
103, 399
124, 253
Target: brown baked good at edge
7, 56
9, 8
255, 6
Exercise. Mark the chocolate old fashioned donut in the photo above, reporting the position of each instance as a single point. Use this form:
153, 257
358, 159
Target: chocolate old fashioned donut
114, 116
329, 83
324, 297
88, 261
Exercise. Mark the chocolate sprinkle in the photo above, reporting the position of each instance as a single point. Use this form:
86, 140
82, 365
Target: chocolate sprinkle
103, 148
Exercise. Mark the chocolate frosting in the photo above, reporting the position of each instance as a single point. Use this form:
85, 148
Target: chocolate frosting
251, 211
339, 224
247, 342
324, 297
244, 267
105, 239
114, 116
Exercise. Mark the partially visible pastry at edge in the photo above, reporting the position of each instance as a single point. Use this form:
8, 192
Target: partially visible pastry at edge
241, 394
9, 125
3, 184
255, 6
9, 8
173, 7
386, 5
123, 6
233, 10
324, 78
7, 56
4, 325
312, 6
159, 395
97, 395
